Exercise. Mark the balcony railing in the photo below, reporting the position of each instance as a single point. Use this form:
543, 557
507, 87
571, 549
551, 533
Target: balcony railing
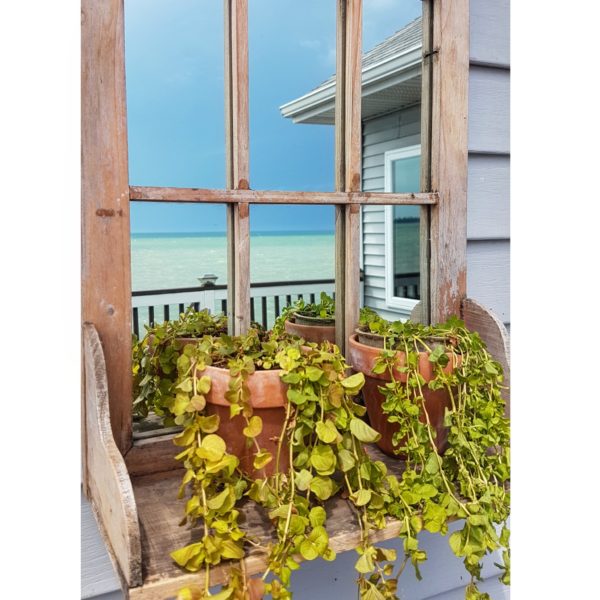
267, 300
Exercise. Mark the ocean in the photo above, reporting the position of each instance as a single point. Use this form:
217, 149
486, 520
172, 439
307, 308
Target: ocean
169, 260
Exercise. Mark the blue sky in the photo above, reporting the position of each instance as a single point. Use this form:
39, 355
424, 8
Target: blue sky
174, 61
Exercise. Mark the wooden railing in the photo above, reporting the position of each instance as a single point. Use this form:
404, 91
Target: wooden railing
267, 300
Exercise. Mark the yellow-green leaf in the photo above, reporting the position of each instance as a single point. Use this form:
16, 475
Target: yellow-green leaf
326, 431
303, 479
262, 459
186, 437
317, 516
363, 432
362, 497
203, 384
212, 448
314, 373
365, 563
217, 501
254, 427
197, 403
183, 555
322, 487
209, 424
231, 550
354, 382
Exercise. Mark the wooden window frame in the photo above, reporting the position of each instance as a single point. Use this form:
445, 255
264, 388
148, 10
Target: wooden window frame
106, 197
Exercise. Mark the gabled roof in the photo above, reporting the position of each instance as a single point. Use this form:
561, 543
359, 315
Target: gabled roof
391, 79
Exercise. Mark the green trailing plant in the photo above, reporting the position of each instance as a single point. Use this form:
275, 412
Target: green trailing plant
155, 359
324, 309
324, 439
324, 436
469, 482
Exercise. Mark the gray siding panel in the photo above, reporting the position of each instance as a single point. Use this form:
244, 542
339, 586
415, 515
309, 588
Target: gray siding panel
489, 110
490, 31
488, 211
98, 577
488, 275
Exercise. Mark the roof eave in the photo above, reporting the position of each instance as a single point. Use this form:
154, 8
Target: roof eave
307, 108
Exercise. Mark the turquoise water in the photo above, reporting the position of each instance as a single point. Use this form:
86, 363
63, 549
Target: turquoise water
167, 260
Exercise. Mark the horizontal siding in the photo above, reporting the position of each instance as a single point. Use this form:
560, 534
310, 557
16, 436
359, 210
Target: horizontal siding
491, 586
490, 31
489, 110
390, 132
98, 577
488, 211
488, 275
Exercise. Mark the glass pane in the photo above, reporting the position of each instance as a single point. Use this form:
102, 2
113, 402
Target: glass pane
292, 94
175, 93
292, 250
391, 113
178, 259
406, 174
406, 234
178, 265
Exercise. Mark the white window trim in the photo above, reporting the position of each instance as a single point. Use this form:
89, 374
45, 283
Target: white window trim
404, 305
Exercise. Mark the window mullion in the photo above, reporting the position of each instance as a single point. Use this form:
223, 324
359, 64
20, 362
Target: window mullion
348, 165
237, 144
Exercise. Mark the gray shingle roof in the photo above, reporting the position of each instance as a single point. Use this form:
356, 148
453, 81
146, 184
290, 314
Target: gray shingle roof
407, 37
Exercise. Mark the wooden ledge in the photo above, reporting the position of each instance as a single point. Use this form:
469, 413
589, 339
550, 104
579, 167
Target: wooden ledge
160, 513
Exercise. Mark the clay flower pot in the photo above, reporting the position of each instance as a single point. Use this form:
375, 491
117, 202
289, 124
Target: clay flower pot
268, 397
363, 358
369, 339
311, 330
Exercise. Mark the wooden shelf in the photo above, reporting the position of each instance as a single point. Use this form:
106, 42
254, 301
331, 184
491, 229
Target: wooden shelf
160, 512
135, 497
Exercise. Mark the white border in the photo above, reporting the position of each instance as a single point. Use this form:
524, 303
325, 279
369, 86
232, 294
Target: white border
394, 302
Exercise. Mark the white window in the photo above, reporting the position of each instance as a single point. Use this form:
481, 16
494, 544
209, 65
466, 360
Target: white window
402, 231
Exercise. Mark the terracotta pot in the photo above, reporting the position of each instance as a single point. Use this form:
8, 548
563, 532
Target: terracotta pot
369, 339
311, 333
363, 358
268, 397
303, 319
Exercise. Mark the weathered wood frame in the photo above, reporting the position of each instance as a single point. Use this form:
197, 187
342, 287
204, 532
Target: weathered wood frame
106, 194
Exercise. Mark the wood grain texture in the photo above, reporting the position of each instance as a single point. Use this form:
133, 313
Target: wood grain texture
348, 165
450, 83
152, 455
493, 332
159, 517
105, 275
237, 163
353, 95
171, 194
108, 485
